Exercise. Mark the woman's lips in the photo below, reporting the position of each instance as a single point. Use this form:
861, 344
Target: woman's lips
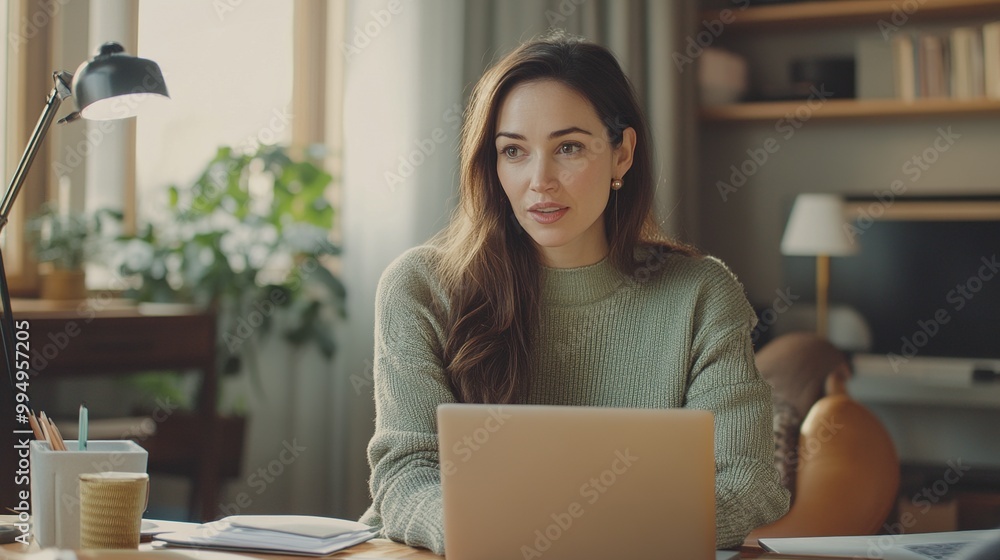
547, 217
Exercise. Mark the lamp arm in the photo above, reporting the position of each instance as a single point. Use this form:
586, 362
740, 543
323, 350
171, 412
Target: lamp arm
60, 91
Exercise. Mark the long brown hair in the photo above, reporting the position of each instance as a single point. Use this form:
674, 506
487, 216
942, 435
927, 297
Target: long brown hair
489, 267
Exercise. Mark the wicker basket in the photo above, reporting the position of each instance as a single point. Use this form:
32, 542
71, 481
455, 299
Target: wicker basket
111, 507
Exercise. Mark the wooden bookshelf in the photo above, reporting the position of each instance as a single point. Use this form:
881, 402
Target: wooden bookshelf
848, 108
794, 16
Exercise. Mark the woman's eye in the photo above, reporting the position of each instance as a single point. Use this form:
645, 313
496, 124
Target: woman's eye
570, 148
511, 151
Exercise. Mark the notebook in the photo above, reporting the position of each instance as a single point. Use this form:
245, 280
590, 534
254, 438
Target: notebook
303, 535
564, 483
916, 546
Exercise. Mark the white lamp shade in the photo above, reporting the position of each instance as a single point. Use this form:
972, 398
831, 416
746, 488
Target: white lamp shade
817, 226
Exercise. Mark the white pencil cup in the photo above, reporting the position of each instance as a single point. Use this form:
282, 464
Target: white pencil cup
55, 484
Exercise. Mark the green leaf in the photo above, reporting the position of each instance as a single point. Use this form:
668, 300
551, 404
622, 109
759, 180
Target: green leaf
323, 337
174, 196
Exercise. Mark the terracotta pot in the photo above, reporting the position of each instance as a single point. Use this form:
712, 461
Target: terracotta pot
62, 284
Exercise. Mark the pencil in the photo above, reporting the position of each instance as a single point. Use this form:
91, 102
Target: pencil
34, 425
58, 434
81, 437
43, 422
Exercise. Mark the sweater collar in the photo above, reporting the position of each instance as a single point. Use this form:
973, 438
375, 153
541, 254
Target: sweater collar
581, 285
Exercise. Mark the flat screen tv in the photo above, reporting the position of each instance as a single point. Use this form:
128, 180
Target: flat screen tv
926, 279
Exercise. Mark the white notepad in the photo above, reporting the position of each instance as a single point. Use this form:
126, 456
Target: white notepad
289, 534
879, 546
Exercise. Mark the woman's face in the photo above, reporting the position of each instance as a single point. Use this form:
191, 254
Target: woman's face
556, 167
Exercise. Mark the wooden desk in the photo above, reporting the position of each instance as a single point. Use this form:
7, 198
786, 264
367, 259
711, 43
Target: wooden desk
378, 548
371, 550
106, 336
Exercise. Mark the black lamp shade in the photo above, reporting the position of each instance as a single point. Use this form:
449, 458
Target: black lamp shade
113, 85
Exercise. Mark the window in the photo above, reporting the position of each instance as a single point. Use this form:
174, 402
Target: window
4, 52
230, 67
24, 96
229, 73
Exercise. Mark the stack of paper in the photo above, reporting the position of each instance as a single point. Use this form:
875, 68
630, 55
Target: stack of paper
289, 534
877, 546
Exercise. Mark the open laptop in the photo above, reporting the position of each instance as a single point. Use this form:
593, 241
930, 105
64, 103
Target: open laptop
566, 483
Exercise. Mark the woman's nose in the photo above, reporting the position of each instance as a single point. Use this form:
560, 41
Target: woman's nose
543, 176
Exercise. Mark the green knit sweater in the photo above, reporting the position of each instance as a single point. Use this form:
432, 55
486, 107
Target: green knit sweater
674, 334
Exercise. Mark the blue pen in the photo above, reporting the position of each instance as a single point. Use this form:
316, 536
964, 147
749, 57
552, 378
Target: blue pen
82, 436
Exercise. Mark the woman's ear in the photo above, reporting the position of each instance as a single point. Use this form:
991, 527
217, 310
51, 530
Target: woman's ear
623, 153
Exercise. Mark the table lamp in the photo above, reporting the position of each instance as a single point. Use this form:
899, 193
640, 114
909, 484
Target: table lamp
816, 228
112, 85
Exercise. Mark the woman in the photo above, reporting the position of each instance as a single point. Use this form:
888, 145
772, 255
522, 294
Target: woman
553, 285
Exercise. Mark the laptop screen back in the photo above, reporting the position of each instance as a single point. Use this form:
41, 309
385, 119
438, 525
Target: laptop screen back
560, 482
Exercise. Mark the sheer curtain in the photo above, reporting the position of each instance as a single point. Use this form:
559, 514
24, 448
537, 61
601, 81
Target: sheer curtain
409, 69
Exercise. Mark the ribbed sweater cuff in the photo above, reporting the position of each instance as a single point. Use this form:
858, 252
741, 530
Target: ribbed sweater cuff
416, 519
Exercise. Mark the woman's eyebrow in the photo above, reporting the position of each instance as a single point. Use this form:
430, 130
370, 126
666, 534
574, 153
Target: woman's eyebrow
511, 135
569, 130
555, 134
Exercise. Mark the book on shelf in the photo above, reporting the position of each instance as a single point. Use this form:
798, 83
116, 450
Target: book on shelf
904, 67
931, 60
991, 59
966, 63
961, 63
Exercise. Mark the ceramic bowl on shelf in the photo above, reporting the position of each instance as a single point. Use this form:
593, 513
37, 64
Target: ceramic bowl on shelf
722, 76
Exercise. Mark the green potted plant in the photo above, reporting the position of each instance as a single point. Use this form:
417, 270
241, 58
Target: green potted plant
64, 242
249, 238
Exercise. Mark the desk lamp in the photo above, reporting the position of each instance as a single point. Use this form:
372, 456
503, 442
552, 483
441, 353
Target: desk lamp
816, 228
112, 85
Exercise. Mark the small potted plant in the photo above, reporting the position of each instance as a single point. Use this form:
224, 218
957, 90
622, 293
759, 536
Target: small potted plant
63, 242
